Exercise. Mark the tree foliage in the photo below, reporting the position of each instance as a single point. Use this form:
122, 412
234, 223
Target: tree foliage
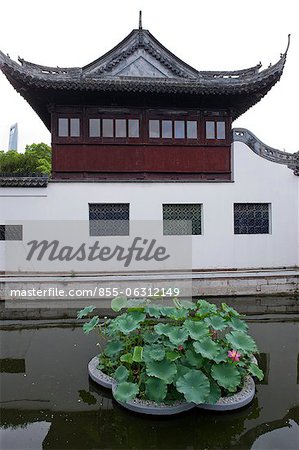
35, 159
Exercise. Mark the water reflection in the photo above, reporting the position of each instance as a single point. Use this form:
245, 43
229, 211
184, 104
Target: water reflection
53, 404
26, 436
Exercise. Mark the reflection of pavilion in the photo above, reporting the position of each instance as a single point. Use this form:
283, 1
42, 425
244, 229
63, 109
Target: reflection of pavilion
69, 411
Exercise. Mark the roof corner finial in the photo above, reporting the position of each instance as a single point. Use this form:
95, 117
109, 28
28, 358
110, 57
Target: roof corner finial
140, 20
289, 41
283, 55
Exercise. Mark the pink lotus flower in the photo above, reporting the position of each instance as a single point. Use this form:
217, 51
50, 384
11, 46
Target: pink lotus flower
234, 355
180, 348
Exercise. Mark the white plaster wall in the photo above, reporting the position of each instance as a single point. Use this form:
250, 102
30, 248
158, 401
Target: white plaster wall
255, 180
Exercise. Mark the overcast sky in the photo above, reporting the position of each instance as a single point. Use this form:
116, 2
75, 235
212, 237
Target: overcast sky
218, 34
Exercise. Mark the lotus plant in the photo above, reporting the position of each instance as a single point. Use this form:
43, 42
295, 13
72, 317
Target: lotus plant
190, 351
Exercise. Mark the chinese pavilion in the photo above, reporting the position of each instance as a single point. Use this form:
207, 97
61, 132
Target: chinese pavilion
139, 112
139, 136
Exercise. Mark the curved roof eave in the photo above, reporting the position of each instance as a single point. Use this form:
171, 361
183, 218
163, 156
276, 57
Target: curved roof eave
244, 87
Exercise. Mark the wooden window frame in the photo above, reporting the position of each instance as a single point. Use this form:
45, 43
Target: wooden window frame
216, 141
173, 118
67, 115
114, 140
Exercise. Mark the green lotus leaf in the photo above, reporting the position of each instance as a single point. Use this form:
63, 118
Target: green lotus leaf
112, 348
181, 371
155, 389
153, 311
178, 314
187, 304
121, 374
238, 324
241, 341
205, 307
89, 326
111, 328
166, 310
150, 337
164, 370
136, 303
221, 356
227, 375
125, 391
256, 371
163, 328
195, 386
137, 354
207, 348
196, 330
177, 335
216, 322
119, 303
173, 356
83, 312
215, 393
153, 353
139, 316
193, 359
127, 323
229, 310
127, 358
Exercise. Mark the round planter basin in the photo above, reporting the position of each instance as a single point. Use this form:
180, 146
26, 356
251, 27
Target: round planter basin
97, 375
235, 401
152, 408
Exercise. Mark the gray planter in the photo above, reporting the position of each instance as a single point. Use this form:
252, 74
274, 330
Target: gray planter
97, 375
235, 401
152, 408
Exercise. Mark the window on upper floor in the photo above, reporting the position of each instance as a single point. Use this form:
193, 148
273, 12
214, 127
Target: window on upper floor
191, 127
68, 127
11, 232
215, 130
118, 128
182, 219
109, 219
252, 218
177, 129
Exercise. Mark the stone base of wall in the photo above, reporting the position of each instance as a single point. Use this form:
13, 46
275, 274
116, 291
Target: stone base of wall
250, 282
251, 291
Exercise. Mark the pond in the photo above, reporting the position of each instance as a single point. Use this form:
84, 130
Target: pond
48, 401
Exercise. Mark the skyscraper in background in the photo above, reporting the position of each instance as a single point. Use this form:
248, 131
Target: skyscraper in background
13, 137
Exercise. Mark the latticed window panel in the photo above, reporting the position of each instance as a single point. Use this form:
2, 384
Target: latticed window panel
109, 219
182, 219
11, 232
252, 218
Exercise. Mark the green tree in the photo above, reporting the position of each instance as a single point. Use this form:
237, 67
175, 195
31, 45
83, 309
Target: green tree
36, 158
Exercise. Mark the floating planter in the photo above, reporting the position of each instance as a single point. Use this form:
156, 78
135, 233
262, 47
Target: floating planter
164, 360
235, 401
97, 375
153, 408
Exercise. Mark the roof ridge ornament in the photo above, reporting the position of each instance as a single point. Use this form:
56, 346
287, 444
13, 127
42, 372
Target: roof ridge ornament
288, 46
291, 160
140, 20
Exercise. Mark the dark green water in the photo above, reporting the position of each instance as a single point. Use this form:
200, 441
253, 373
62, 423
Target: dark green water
48, 401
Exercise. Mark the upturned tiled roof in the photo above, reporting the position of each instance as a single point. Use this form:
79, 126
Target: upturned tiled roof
140, 64
14, 180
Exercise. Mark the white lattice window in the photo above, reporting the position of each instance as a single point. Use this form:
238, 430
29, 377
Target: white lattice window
109, 219
182, 219
252, 218
11, 232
